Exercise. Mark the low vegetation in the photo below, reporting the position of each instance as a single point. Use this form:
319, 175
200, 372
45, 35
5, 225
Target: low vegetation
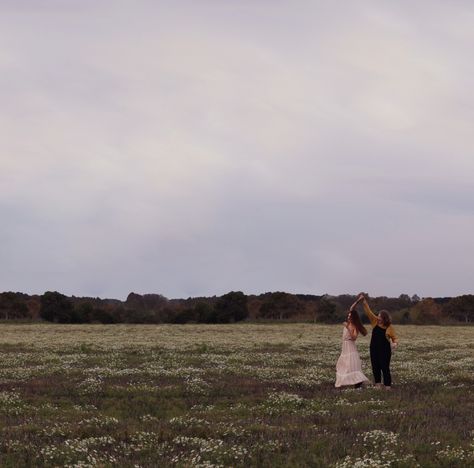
229, 395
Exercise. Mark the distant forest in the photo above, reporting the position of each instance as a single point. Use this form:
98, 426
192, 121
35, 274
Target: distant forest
234, 306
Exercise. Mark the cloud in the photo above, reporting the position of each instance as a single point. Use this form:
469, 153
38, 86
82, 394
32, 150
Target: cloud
197, 148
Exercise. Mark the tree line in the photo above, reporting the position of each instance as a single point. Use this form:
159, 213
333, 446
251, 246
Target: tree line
234, 306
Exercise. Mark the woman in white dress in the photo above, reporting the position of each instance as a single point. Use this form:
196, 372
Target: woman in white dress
349, 367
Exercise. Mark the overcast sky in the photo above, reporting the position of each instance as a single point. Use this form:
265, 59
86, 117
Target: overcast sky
196, 147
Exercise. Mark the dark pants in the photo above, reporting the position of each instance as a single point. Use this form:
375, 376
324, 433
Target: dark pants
380, 358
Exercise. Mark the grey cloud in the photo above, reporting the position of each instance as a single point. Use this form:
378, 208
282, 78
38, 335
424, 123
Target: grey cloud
192, 149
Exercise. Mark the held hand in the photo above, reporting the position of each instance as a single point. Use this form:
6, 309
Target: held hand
394, 345
353, 306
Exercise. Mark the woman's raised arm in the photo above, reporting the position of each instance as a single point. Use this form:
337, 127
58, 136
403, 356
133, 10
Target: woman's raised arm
372, 317
360, 298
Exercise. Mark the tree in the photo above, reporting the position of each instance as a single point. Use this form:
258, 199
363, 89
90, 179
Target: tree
205, 312
185, 315
13, 305
103, 315
84, 312
404, 298
327, 311
426, 311
460, 308
280, 305
135, 301
231, 307
56, 307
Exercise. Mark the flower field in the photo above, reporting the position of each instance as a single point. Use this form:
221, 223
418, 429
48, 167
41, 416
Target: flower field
229, 395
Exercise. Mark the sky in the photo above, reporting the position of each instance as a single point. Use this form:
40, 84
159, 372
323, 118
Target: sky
191, 148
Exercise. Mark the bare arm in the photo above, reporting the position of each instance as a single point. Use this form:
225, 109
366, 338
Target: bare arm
353, 331
359, 299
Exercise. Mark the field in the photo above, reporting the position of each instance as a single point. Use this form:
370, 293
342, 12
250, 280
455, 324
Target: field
229, 395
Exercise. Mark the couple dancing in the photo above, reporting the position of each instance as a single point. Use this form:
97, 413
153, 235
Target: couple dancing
349, 368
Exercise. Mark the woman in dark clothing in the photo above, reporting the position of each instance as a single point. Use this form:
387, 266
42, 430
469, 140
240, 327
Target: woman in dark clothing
381, 343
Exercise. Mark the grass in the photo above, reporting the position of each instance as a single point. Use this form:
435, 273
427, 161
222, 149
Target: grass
229, 395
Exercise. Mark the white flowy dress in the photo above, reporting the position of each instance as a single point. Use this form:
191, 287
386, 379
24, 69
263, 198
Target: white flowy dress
349, 366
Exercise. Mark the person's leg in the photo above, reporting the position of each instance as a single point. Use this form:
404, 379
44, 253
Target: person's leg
385, 365
358, 385
376, 368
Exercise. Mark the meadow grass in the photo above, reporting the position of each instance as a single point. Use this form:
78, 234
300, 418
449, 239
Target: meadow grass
229, 395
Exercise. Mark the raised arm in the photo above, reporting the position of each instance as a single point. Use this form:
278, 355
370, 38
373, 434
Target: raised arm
372, 317
359, 299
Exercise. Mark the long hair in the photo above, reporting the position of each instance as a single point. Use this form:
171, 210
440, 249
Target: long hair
386, 319
355, 320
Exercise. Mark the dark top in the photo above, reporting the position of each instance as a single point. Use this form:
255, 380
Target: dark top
379, 340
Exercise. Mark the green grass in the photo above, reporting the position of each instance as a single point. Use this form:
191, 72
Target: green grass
229, 395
